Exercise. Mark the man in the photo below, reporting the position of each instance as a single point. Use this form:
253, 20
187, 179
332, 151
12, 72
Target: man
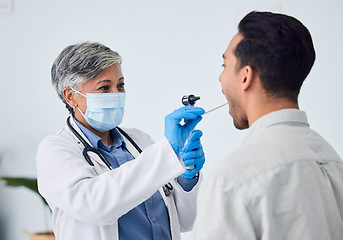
285, 181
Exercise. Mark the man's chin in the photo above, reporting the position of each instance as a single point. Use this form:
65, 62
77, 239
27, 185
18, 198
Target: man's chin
241, 125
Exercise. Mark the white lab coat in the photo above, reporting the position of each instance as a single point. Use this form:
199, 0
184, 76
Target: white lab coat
86, 205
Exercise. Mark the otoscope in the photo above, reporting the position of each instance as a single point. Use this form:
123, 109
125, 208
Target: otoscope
189, 100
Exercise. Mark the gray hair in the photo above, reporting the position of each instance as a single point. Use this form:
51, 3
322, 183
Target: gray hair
80, 63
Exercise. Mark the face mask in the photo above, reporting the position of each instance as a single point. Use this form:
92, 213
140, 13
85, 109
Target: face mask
104, 111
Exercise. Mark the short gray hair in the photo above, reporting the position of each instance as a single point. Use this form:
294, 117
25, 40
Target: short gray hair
80, 63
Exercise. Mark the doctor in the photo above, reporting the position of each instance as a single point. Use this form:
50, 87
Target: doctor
103, 182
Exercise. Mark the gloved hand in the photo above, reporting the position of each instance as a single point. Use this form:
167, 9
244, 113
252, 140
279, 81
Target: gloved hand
177, 133
193, 154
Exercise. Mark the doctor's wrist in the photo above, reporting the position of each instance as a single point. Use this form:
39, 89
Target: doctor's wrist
187, 184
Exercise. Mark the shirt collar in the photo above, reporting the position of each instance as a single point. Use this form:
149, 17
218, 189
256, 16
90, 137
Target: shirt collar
284, 116
96, 142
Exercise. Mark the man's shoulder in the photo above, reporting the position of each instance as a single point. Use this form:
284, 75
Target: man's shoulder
272, 148
242, 165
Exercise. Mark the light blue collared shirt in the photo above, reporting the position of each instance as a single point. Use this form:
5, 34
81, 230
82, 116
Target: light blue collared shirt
150, 219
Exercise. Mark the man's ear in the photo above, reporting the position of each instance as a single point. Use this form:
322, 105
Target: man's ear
69, 96
247, 78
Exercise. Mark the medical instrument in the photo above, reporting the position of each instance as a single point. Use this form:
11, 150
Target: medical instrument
214, 108
189, 100
88, 148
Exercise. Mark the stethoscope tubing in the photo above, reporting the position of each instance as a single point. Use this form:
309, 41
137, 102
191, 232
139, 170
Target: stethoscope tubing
88, 148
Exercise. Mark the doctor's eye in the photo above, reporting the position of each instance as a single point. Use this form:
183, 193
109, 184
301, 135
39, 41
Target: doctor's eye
104, 88
121, 86
223, 65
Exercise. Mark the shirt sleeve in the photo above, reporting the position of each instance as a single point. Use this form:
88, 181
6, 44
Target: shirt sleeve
221, 212
187, 184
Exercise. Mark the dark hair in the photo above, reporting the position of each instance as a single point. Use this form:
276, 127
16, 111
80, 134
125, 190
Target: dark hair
279, 48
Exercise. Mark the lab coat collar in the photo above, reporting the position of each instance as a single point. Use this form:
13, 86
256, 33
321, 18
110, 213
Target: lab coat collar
74, 125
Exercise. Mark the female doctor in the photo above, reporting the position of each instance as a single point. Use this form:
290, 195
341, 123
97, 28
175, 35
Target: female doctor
103, 182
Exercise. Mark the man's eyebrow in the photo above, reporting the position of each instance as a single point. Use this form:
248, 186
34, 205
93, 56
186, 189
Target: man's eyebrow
223, 56
121, 79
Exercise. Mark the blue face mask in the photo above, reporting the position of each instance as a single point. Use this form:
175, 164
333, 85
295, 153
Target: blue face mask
104, 111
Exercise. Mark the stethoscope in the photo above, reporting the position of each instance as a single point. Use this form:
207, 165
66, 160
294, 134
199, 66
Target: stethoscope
88, 148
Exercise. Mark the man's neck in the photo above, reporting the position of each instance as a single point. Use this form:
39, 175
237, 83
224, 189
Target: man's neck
267, 105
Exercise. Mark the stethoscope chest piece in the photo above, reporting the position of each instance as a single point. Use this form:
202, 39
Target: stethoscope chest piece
167, 189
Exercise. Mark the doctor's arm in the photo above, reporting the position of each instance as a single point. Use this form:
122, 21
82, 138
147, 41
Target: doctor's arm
192, 155
67, 182
70, 184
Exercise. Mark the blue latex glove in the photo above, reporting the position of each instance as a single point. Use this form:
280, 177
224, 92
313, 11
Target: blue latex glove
193, 154
177, 133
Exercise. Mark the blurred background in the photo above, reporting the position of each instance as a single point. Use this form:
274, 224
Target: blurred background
169, 48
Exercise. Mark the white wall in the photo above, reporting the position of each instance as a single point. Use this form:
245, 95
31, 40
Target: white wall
170, 48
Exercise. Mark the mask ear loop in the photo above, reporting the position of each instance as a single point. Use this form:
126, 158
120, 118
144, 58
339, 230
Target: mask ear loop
78, 92
80, 111
82, 95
